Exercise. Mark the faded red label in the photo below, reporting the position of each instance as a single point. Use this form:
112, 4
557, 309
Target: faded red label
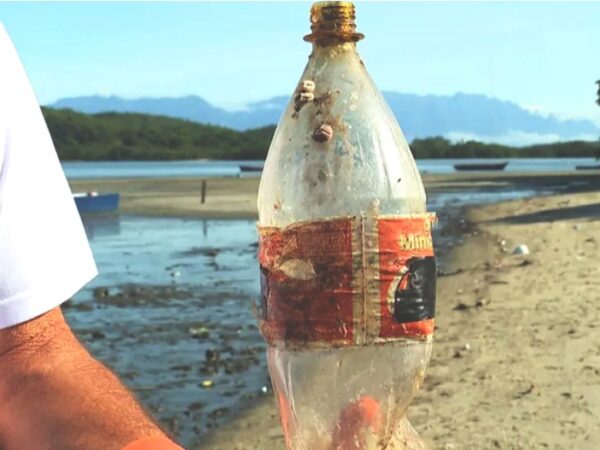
406, 253
348, 281
306, 281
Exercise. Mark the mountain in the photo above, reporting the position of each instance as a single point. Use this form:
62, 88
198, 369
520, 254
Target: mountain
191, 108
457, 117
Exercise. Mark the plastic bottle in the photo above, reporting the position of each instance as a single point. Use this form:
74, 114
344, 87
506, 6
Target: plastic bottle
347, 267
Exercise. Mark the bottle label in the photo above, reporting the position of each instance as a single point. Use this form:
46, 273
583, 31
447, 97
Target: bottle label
348, 281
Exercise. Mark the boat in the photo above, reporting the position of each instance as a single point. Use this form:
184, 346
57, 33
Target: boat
590, 167
244, 168
481, 166
92, 202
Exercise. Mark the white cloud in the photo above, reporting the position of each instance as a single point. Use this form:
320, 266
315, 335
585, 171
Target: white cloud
517, 138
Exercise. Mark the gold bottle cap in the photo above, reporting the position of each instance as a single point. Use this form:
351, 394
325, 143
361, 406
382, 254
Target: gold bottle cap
333, 22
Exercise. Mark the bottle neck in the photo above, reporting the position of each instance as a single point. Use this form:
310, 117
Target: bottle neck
332, 23
336, 48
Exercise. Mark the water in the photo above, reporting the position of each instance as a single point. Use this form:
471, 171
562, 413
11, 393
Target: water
173, 294
160, 169
153, 169
515, 165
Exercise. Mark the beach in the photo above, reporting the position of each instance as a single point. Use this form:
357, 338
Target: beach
515, 361
235, 198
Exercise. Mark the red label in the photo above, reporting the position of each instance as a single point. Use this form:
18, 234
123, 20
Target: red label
405, 246
306, 282
349, 281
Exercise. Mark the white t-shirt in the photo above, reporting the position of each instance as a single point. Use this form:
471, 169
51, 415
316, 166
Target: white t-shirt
45, 257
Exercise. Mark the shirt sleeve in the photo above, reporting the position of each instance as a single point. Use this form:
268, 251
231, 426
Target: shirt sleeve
45, 257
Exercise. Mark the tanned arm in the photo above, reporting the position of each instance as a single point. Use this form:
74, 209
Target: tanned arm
55, 395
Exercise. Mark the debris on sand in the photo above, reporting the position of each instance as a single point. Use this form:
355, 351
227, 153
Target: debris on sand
461, 307
521, 250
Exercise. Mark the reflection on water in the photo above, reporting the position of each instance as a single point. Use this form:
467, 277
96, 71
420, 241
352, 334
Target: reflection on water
99, 225
441, 200
158, 251
171, 309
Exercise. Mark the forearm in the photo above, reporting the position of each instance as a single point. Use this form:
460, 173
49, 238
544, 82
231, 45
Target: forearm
54, 395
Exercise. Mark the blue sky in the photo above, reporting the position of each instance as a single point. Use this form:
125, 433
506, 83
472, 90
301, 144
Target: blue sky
543, 56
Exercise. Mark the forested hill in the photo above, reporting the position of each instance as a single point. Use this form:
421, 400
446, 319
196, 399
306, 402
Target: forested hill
127, 136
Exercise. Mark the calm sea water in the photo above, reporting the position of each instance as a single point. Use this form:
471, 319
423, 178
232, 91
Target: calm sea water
147, 169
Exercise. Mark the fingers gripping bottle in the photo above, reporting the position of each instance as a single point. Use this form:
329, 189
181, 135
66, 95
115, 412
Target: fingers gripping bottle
346, 257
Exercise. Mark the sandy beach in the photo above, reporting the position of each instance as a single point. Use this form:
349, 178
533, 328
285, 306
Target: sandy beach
235, 198
515, 363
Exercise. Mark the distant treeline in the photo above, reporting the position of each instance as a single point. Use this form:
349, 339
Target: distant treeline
438, 147
119, 136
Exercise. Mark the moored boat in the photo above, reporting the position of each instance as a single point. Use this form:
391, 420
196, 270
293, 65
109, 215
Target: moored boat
481, 166
245, 168
92, 202
588, 167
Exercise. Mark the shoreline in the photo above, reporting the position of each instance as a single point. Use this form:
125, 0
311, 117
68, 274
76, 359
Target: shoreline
235, 198
514, 363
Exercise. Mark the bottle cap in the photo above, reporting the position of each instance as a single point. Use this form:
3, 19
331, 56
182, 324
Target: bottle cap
332, 23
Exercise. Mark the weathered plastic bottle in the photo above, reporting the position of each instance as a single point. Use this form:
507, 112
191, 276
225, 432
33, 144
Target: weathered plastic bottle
347, 267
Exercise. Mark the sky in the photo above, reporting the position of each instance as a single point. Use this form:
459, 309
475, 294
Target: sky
543, 56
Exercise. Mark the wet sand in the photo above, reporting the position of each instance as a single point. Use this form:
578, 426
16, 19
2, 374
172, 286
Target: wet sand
226, 198
235, 198
515, 363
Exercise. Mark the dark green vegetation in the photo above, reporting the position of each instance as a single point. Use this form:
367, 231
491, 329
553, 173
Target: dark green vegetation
439, 147
118, 136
